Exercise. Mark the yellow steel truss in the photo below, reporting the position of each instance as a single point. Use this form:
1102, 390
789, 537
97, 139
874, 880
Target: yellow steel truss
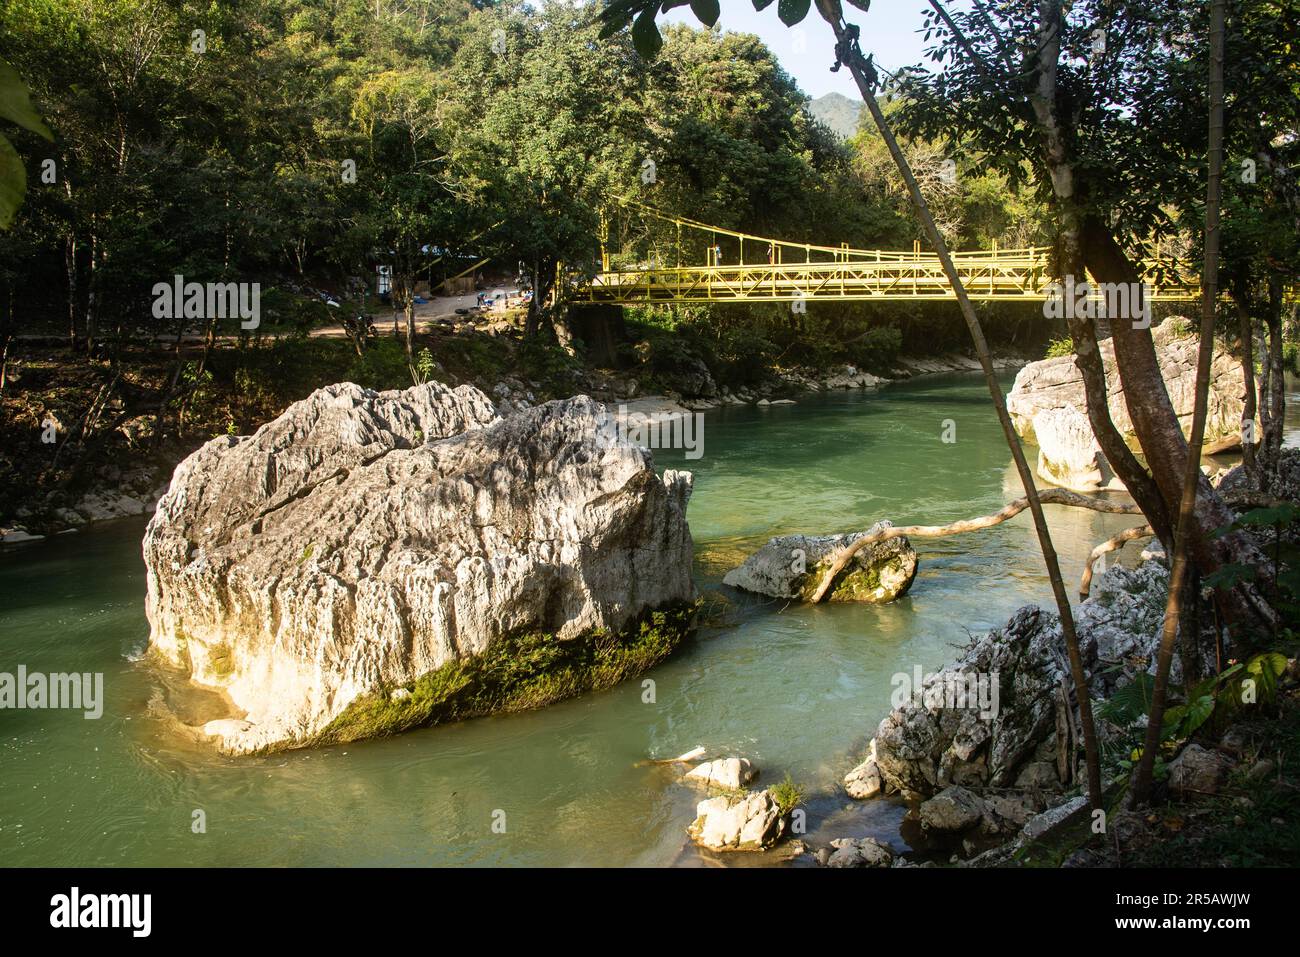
789, 271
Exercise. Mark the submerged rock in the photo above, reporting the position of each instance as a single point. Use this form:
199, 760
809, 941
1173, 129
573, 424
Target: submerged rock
368, 542
792, 566
1057, 383
857, 852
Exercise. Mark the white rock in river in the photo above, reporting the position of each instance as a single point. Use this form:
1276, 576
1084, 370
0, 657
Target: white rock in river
750, 822
723, 773
792, 566
864, 780
858, 852
362, 541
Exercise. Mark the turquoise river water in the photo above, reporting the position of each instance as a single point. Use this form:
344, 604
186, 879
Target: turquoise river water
796, 689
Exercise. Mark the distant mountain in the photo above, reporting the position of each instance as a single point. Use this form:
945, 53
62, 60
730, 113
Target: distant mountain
838, 112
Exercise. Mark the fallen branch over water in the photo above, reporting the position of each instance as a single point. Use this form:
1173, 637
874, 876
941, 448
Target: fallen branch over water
1110, 545
1053, 496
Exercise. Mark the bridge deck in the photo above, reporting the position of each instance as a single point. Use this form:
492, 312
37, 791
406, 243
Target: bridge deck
986, 277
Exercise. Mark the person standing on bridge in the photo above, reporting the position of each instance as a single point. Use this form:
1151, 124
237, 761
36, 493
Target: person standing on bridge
717, 254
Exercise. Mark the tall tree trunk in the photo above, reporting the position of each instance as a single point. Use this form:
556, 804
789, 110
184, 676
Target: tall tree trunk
1270, 449
70, 269
1249, 438
92, 284
1160, 434
1192, 477
410, 329
543, 281
1071, 264
850, 55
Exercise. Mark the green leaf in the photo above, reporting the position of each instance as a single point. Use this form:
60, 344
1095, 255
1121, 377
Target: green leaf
16, 105
792, 11
1268, 662
706, 11
863, 5
762, 4
645, 35
1130, 702
1229, 576
1282, 514
1198, 712
13, 182
613, 24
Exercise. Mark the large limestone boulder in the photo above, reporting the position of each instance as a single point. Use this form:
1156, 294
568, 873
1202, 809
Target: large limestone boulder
792, 566
1057, 383
926, 745
368, 561
951, 811
1068, 454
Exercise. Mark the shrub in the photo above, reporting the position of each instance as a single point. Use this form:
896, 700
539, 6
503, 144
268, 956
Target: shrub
1060, 347
787, 794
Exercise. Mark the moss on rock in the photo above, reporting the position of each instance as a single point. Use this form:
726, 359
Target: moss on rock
517, 673
869, 583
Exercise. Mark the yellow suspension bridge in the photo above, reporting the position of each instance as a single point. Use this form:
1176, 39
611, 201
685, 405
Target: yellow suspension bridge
761, 269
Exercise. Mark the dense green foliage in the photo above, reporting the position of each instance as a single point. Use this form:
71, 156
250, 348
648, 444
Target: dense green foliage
302, 143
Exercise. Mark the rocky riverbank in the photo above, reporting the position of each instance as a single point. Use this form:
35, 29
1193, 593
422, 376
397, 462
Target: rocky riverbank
116, 493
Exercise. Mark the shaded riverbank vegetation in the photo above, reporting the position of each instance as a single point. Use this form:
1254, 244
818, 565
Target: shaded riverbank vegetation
302, 145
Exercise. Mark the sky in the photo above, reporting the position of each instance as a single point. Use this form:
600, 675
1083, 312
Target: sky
806, 51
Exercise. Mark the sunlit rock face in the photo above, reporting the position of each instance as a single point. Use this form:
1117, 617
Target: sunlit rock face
792, 566
1068, 455
363, 540
932, 741
1054, 384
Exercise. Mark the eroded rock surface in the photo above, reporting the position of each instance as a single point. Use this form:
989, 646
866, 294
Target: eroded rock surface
1057, 383
923, 749
792, 566
1198, 771
730, 773
857, 852
365, 541
1068, 455
746, 822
